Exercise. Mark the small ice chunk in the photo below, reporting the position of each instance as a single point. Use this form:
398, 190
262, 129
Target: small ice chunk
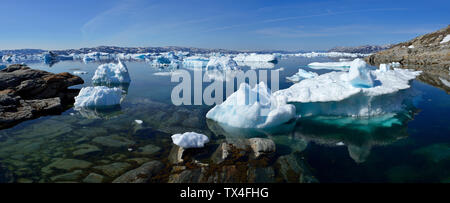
384, 67
190, 140
301, 75
80, 72
252, 108
359, 74
411, 47
446, 39
99, 96
139, 122
112, 73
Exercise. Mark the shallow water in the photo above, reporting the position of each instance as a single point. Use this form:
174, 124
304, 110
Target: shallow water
412, 146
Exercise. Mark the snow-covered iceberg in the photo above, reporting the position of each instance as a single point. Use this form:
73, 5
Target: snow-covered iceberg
195, 62
222, 63
301, 75
359, 92
252, 108
112, 73
255, 58
99, 96
190, 140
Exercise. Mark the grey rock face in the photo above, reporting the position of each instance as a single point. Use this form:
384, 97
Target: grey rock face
26, 93
141, 174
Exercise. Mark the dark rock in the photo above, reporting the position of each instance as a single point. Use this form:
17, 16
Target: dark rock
27, 93
294, 170
141, 174
262, 146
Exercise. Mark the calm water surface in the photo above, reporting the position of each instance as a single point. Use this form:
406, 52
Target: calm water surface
412, 146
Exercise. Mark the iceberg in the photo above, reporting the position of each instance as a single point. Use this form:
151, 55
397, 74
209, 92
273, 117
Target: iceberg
195, 62
190, 140
301, 75
360, 92
252, 108
99, 96
221, 63
80, 72
359, 74
112, 73
329, 54
94, 56
49, 57
255, 58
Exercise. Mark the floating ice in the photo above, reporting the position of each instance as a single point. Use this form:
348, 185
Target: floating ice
252, 108
80, 72
446, 39
94, 56
255, 58
139, 122
2, 67
222, 63
301, 75
359, 74
342, 93
343, 65
190, 140
99, 96
411, 47
112, 73
329, 54
195, 62
49, 57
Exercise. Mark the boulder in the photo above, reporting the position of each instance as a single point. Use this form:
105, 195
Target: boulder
141, 174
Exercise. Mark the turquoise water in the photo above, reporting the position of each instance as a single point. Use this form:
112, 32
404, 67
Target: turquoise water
412, 146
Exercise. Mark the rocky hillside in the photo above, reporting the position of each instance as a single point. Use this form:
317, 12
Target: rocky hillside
426, 50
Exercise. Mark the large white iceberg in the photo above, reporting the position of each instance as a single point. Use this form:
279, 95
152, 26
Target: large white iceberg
360, 92
222, 63
255, 58
301, 75
256, 64
99, 96
252, 108
190, 140
112, 73
195, 62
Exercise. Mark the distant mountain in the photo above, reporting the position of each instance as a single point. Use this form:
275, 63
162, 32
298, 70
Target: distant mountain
365, 49
21, 52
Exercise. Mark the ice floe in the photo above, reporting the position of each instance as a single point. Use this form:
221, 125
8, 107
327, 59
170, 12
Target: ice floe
252, 108
112, 73
329, 54
80, 72
343, 65
99, 96
190, 140
359, 74
301, 75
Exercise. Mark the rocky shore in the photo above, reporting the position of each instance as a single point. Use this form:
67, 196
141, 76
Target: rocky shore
429, 50
27, 93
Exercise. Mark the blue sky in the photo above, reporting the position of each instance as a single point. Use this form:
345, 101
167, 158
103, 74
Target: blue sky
230, 24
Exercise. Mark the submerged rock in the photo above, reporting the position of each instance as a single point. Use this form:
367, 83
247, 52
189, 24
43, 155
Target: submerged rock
94, 178
141, 174
114, 169
262, 146
27, 93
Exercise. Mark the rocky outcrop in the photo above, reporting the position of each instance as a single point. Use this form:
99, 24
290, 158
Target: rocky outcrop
27, 93
427, 50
